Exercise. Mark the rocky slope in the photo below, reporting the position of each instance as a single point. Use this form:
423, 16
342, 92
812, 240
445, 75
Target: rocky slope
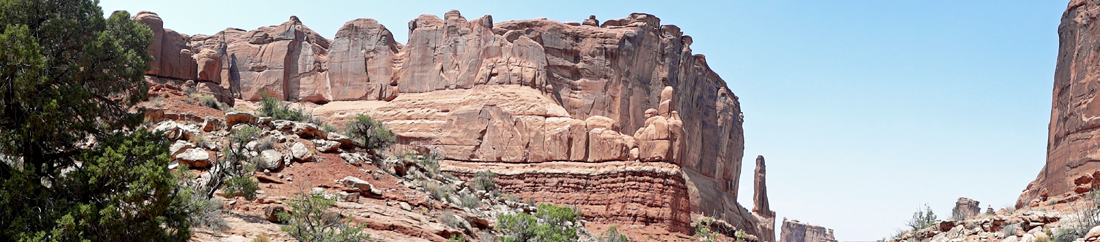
570, 113
1072, 165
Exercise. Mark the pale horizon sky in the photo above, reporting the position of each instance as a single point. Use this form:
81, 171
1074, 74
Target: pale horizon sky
864, 110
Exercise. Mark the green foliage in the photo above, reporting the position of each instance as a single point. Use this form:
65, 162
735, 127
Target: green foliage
202, 211
922, 218
612, 235
277, 109
68, 74
703, 230
429, 162
321, 124
550, 223
483, 180
307, 221
372, 133
456, 238
241, 185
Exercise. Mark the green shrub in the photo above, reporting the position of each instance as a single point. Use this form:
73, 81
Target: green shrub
277, 109
458, 238
550, 223
68, 74
372, 133
437, 191
241, 185
923, 218
703, 231
307, 221
483, 180
612, 235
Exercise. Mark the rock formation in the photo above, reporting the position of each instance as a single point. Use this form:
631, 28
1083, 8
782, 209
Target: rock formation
965, 208
761, 209
1073, 163
519, 94
794, 231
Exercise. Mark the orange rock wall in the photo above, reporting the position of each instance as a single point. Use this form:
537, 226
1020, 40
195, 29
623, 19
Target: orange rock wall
1073, 160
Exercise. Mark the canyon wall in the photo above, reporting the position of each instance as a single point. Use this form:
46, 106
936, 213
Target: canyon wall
1073, 144
524, 93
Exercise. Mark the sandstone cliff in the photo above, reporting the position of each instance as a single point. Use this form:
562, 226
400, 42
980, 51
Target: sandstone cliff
794, 231
1072, 159
625, 98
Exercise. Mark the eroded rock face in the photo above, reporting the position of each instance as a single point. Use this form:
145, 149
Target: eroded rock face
526, 91
1074, 139
794, 231
965, 208
761, 207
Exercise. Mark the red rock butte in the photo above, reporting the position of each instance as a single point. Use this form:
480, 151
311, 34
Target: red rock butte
619, 119
1073, 144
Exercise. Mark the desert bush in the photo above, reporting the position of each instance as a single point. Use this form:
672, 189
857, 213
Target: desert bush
241, 185
437, 191
922, 218
469, 201
266, 143
307, 221
458, 238
448, 217
612, 235
201, 210
550, 223
209, 101
703, 231
1078, 224
278, 109
372, 133
322, 125
1011, 229
483, 180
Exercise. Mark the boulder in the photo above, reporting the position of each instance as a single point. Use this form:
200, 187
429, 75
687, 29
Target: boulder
309, 131
361, 185
965, 208
194, 158
234, 118
211, 123
271, 212
300, 153
271, 160
179, 147
326, 146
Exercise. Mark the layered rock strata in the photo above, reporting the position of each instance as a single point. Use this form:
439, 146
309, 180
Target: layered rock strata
516, 92
1073, 144
795, 231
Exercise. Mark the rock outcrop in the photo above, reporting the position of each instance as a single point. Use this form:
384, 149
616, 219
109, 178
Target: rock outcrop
794, 231
1073, 160
760, 205
515, 92
965, 208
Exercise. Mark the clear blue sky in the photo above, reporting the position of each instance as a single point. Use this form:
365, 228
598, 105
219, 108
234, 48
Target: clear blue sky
865, 110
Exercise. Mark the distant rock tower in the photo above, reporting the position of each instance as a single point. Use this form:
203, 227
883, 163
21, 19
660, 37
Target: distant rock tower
761, 209
794, 231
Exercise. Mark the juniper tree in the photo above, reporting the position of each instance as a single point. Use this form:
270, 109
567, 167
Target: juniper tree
74, 168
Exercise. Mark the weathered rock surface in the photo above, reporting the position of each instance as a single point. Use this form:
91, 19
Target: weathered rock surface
1073, 140
516, 92
194, 158
965, 208
271, 160
794, 231
761, 208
